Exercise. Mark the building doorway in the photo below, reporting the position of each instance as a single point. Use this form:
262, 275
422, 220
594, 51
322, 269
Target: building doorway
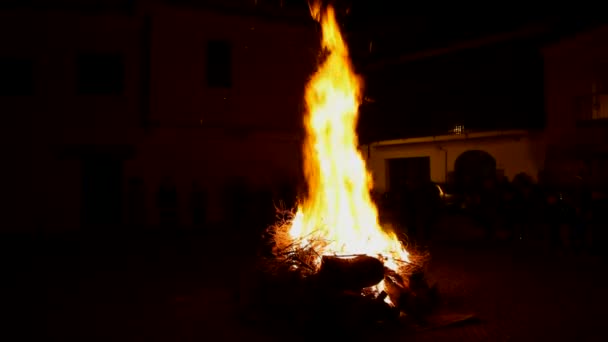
473, 168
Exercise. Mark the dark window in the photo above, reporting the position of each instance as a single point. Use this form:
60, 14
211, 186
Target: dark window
219, 64
599, 110
16, 77
285, 4
594, 105
294, 4
100, 74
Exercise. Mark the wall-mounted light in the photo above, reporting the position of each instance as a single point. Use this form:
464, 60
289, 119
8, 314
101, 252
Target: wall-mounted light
458, 129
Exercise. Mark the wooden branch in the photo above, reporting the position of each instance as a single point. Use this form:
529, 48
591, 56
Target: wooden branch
353, 273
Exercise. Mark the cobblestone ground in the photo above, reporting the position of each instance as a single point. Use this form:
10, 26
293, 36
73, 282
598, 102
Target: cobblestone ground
159, 289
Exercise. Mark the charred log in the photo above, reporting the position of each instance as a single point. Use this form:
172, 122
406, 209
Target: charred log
426, 297
395, 287
350, 273
413, 295
339, 294
351, 310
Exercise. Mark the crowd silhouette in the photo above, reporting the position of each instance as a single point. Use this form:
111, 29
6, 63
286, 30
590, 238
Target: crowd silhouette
566, 219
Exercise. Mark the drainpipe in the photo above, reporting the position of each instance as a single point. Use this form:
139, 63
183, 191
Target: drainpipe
146, 43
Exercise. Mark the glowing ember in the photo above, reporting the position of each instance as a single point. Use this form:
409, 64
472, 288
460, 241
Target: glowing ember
338, 210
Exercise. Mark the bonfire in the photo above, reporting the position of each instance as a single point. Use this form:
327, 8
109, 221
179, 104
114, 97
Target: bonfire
332, 246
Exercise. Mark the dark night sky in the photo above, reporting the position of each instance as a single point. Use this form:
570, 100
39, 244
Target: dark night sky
484, 89
490, 87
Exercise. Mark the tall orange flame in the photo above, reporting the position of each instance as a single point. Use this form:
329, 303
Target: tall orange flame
338, 209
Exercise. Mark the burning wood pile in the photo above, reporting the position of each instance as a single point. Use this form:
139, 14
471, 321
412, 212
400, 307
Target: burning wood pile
331, 260
296, 285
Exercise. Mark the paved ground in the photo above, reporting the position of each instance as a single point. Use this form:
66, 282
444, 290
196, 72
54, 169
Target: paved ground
522, 296
155, 288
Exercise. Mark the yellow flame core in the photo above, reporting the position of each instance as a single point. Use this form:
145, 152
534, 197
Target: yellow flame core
338, 209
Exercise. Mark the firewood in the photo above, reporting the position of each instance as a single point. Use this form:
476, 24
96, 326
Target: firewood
395, 287
355, 310
411, 295
352, 272
419, 304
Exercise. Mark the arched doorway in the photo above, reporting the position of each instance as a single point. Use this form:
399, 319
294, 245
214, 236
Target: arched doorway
472, 168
